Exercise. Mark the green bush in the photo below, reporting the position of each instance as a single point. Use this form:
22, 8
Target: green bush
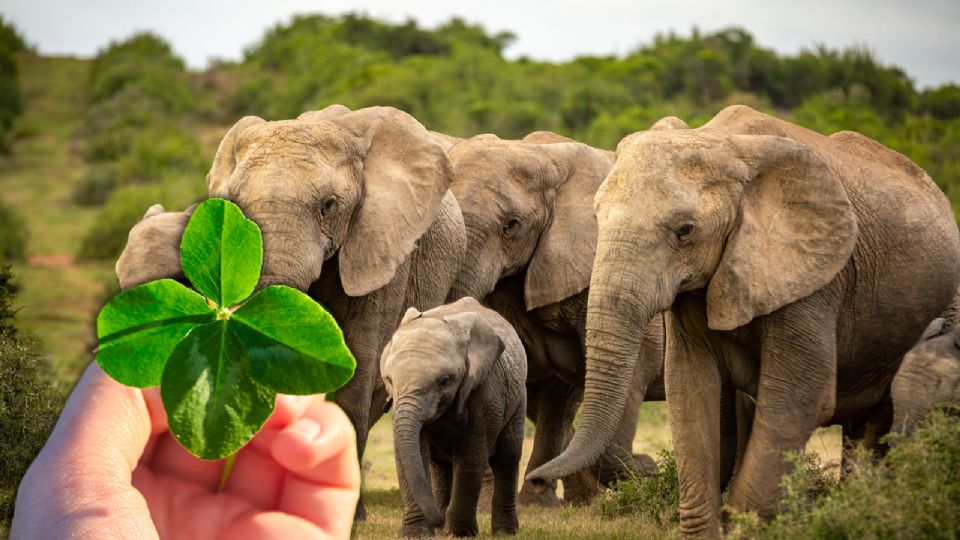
126, 206
654, 497
913, 492
30, 402
10, 103
96, 186
13, 235
158, 151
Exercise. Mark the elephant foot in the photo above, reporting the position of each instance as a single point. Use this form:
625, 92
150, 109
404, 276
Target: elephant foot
361, 512
539, 494
506, 525
615, 468
580, 488
463, 529
646, 465
416, 531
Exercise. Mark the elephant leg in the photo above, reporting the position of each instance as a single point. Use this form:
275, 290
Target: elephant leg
506, 469
795, 394
867, 433
693, 388
547, 407
442, 483
468, 471
414, 523
728, 432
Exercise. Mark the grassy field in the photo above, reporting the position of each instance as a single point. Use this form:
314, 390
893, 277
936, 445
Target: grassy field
59, 298
384, 508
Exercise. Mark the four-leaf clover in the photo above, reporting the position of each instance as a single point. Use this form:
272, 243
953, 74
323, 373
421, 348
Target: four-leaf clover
220, 356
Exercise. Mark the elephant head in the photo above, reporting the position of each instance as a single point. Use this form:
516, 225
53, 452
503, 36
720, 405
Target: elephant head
527, 206
431, 365
364, 184
754, 222
929, 375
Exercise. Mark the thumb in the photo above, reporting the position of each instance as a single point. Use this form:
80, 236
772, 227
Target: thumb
104, 424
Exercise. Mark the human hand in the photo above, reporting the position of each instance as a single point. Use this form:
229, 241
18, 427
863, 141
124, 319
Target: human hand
111, 469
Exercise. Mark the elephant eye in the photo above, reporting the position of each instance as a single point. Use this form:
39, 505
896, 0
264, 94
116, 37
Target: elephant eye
684, 231
329, 205
444, 381
511, 225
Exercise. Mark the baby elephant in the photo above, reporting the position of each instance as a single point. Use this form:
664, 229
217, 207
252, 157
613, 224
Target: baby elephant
455, 375
928, 376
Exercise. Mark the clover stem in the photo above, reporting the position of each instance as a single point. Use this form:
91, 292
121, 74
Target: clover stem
225, 472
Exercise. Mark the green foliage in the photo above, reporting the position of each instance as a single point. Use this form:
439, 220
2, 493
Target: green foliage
654, 497
13, 235
96, 186
220, 365
30, 402
126, 206
139, 100
913, 492
10, 103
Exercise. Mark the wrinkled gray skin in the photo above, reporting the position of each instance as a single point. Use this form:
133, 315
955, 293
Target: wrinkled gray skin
797, 268
355, 210
531, 236
928, 376
456, 377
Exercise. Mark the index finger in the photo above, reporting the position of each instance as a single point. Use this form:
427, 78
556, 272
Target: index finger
320, 452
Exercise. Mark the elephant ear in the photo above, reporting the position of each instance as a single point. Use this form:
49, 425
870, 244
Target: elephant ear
937, 327
327, 113
796, 231
411, 314
483, 347
405, 176
563, 260
226, 159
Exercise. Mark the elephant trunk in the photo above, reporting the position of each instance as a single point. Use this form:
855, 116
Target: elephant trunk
912, 399
407, 428
620, 306
292, 253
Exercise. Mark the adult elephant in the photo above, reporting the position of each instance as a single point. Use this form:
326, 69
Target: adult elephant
531, 237
355, 210
796, 267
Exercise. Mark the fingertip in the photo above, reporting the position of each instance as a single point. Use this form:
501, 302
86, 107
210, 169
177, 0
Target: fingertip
323, 432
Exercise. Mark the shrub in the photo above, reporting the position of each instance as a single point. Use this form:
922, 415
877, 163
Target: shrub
10, 104
96, 186
655, 497
913, 492
159, 150
126, 206
29, 403
13, 235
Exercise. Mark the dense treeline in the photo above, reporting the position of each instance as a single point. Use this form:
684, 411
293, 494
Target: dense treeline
455, 79
12, 230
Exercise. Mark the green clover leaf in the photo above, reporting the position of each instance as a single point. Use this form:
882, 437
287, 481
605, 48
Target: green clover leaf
221, 358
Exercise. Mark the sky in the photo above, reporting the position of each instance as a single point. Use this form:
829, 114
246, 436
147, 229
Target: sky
921, 36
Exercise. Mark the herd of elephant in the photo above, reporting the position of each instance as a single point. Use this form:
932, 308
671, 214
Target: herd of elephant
762, 278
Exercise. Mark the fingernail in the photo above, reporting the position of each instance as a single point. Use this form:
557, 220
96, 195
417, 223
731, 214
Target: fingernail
309, 429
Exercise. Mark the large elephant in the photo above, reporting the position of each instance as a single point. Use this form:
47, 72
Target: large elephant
363, 196
531, 238
928, 376
796, 267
